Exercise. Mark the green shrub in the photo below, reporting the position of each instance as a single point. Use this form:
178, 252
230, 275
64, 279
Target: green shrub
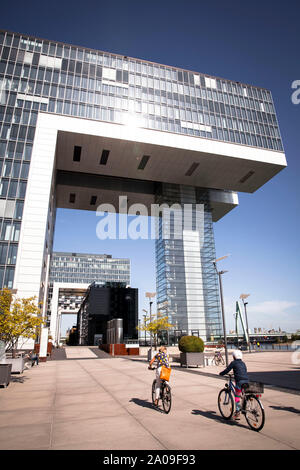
191, 344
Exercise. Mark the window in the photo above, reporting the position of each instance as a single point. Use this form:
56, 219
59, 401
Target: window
192, 168
104, 157
12, 254
13, 188
6, 169
18, 210
3, 252
3, 188
6, 229
15, 231
22, 189
16, 169
109, 74
77, 154
247, 176
143, 162
27, 153
24, 171
9, 277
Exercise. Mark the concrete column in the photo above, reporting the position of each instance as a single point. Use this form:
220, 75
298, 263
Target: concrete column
32, 251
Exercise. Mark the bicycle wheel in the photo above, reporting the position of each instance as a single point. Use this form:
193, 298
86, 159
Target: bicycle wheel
166, 398
153, 391
217, 361
222, 360
226, 403
254, 413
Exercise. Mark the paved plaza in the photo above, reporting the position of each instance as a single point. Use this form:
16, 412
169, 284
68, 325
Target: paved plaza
85, 400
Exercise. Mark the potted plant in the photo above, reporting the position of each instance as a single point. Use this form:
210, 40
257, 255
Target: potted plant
5, 374
191, 351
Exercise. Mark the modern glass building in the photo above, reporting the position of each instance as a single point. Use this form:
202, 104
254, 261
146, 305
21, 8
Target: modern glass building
97, 85
70, 276
101, 303
87, 268
81, 126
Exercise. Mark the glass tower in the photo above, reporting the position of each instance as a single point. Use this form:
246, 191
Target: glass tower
187, 284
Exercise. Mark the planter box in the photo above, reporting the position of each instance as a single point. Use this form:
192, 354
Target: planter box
119, 349
5, 374
191, 359
17, 364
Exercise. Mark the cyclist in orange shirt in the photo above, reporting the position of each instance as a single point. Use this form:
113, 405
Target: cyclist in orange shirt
162, 359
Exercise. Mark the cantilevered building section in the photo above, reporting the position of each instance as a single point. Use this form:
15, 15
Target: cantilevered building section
81, 127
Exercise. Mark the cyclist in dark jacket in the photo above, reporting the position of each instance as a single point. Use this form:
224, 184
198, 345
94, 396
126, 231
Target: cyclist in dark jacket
240, 376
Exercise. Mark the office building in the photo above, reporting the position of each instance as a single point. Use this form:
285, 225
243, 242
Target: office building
81, 126
87, 268
103, 303
69, 279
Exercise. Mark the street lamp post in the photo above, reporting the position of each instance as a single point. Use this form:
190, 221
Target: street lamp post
150, 303
166, 306
139, 329
222, 303
145, 316
150, 295
243, 297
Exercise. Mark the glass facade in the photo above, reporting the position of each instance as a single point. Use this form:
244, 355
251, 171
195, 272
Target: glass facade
103, 303
87, 268
187, 284
63, 79
81, 268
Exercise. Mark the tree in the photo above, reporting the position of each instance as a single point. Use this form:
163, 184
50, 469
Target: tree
19, 318
158, 324
295, 337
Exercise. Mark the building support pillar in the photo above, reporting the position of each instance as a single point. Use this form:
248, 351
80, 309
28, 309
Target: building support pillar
187, 285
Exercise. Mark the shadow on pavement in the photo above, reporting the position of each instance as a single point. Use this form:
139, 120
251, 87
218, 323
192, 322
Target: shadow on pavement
286, 408
145, 404
289, 379
18, 379
58, 354
215, 417
100, 353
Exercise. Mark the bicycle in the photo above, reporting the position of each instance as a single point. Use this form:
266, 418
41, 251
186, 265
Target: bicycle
218, 358
165, 394
251, 405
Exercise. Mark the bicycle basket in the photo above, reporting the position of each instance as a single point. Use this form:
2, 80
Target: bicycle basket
254, 387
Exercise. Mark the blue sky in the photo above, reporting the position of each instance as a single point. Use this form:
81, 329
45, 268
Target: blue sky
253, 42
